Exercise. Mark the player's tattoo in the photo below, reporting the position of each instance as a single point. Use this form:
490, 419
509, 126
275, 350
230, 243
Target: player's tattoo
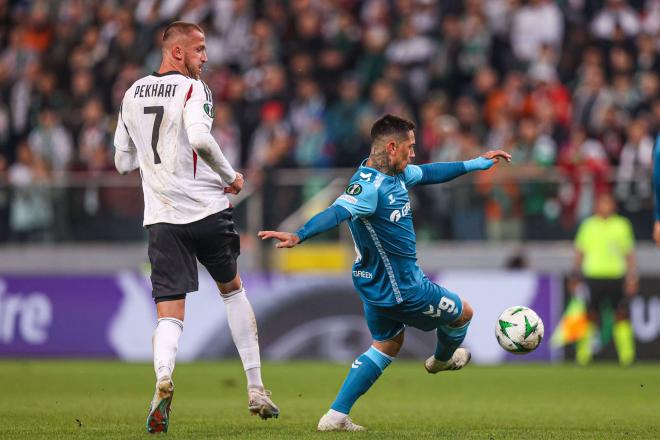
379, 161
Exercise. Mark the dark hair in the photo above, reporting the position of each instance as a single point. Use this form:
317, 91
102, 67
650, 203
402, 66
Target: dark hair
179, 27
389, 125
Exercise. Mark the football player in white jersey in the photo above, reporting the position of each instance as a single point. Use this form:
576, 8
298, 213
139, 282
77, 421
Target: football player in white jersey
163, 128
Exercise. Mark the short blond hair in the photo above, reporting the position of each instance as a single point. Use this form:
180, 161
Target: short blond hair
179, 28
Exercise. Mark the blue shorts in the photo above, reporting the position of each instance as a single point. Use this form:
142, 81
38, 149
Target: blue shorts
431, 307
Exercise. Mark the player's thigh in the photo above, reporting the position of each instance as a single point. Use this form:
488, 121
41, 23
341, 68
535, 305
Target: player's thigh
431, 307
218, 245
172, 258
382, 326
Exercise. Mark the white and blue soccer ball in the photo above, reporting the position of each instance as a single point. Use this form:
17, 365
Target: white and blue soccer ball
519, 330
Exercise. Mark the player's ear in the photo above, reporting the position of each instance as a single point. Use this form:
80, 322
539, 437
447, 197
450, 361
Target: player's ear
177, 52
391, 146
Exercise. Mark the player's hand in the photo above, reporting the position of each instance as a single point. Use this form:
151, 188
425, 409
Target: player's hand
286, 239
656, 233
496, 155
236, 186
486, 160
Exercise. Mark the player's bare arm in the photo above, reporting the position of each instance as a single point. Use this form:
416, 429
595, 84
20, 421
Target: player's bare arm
286, 239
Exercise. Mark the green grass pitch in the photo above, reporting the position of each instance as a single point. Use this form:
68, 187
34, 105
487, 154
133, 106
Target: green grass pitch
108, 400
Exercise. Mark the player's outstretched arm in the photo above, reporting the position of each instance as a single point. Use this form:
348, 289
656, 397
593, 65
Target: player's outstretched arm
286, 239
323, 221
439, 172
486, 160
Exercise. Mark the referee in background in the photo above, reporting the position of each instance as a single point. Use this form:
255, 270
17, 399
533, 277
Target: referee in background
605, 259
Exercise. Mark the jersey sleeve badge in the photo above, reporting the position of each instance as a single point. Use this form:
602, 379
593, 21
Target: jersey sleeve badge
354, 189
209, 110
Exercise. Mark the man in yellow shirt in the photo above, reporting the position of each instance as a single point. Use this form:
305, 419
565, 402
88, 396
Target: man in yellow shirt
605, 257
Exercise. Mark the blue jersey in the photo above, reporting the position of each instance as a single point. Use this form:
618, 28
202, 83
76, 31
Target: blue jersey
385, 272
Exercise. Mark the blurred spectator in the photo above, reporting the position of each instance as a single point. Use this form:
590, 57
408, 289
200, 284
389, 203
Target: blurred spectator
51, 143
31, 212
647, 53
94, 153
584, 163
615, 18
82, 89
536, 24
5, 194
307, 106
227, 133
270, 142
412, 51
635, 167
592, 98
475, 40
342, 124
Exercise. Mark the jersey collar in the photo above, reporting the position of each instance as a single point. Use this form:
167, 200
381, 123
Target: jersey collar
364, 166
171, 72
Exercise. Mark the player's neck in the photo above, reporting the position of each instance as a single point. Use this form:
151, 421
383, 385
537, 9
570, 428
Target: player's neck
378, 161
170, 66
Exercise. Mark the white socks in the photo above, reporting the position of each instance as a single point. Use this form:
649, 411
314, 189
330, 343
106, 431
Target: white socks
243, 327
336, 416
165, 343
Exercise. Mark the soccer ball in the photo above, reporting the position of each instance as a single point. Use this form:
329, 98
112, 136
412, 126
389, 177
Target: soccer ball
519, 330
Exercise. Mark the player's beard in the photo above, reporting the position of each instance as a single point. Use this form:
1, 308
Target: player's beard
193, 72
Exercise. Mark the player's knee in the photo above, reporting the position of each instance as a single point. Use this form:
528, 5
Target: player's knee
390, 347
171, 307
465, 317
230, 287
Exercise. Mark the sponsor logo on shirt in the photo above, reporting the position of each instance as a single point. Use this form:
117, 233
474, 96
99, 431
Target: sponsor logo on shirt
363, 274
350, 199
396, 215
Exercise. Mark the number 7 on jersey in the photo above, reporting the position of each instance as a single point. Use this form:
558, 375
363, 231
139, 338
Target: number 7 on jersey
155, 133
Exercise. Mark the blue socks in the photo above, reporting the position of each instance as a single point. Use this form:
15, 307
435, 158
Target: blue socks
366, 369
449, 338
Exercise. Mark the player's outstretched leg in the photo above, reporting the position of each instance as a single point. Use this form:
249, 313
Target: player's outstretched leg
447, 355
165, 344
365, 370
243, 327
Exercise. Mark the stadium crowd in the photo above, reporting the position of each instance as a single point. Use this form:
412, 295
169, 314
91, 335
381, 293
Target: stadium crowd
569, 87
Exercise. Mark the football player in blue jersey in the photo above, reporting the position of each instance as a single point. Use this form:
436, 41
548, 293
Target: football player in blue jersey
394, 290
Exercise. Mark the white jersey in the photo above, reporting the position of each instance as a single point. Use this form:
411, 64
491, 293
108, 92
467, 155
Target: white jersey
156, 113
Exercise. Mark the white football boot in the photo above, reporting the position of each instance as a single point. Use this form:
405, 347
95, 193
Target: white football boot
458, 360
158, 419
329, 423
259, 403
